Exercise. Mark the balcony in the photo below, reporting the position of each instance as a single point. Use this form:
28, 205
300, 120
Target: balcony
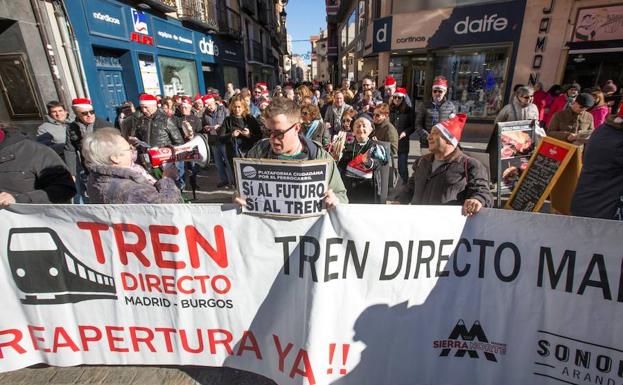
229, 22
257, 51
200, 13
271, 60
262, 14
248, 6
165, 6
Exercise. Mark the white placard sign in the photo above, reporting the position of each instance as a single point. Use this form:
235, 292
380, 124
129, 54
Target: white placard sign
282, 188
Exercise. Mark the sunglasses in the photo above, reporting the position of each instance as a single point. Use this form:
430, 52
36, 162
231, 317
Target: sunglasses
85, 113
438, 91
527, 97
280, 134
397, 97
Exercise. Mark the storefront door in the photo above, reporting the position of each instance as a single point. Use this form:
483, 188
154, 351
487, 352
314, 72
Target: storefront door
109, 73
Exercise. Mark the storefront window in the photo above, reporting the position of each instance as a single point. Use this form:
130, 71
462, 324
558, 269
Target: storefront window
149, 74
230, 75
179, 76
476, 78
352, 27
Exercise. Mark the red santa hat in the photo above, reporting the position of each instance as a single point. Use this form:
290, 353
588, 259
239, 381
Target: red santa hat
262, 85
440, 83
207, 98
186, 100
1, 134
619, 117
402, 92
452, 129
198, 98
82, 103
390, 81
147, 100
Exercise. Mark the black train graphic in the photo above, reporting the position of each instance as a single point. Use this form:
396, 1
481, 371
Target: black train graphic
51, 274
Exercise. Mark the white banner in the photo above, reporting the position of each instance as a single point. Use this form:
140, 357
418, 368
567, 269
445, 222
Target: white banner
362, 295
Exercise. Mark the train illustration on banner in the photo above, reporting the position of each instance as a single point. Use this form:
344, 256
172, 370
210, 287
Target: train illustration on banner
46, 272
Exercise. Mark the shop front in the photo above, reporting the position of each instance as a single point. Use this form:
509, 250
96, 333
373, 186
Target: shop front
474, 47
126, 51
596, 47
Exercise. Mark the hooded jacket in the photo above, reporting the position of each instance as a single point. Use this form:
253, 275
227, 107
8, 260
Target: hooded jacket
599, 193
32, 172
53, 133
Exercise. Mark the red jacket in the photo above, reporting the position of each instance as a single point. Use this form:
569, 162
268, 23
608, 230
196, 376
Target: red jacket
541, 100
559, 104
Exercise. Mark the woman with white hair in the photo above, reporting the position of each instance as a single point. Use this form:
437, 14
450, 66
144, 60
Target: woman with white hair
360, 159
115, 178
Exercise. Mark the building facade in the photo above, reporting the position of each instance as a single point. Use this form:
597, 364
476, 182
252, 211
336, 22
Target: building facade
30, 74
319, 58
571, 41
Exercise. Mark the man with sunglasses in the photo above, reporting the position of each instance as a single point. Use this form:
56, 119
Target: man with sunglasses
85, 123
434, 111
367, 84
285, 142
520, 108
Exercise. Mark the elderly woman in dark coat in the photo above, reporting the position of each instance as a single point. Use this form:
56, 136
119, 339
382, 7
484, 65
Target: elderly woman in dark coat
401, 116
115, 178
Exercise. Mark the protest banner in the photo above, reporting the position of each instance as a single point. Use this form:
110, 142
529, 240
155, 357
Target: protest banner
282, 188
374, 296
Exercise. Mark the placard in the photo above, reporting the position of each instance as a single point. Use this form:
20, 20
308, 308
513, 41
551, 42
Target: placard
282, 188
509, 149
545, 168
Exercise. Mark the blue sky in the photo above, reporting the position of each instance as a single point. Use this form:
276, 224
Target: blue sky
305, 18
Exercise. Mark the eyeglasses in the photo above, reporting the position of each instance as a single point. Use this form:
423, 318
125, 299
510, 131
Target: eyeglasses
346, 120
378, 115
85, 113
280, 134
438, 91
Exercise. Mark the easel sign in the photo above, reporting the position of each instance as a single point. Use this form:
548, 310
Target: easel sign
282, 188
547, 165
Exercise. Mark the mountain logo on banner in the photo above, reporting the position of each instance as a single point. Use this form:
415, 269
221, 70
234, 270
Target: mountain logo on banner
469, 342
46, 272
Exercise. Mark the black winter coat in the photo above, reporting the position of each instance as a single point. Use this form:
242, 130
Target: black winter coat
32, 172
232, 123
460, 178
73, 145
404, 122
158, 131
599, 193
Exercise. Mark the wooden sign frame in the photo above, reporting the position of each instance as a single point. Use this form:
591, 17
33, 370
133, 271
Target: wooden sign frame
562, 193
572, 151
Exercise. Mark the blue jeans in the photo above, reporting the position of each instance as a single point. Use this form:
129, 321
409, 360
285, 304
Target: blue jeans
403, 166
181, 171
224, 169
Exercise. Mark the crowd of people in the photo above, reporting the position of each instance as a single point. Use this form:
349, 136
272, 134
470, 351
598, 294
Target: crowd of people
365, 131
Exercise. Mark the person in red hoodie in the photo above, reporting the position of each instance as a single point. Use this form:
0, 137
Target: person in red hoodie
563, 101
600, 110
541, 100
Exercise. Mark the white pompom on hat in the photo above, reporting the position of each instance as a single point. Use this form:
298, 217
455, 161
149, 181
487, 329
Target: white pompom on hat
452, 128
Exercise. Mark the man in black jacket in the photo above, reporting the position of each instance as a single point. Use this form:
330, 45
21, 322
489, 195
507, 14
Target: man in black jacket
157, 130
31, 172
446, 175
85, 123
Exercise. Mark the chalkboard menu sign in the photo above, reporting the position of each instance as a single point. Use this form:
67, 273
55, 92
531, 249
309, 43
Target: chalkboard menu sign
545, 168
